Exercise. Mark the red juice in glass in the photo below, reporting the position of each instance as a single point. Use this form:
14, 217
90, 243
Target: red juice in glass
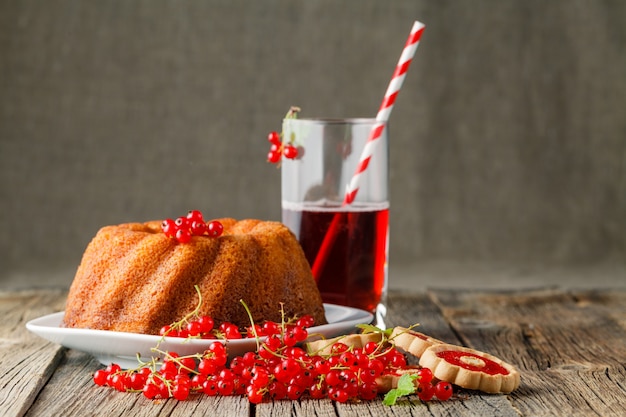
353, 272
345, 240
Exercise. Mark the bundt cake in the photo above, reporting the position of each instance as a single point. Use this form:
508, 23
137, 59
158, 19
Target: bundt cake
134, 278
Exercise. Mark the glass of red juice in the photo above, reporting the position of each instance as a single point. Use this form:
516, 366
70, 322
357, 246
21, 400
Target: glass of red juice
345, 244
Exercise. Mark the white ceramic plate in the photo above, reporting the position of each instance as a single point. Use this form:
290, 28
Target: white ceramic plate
122, 348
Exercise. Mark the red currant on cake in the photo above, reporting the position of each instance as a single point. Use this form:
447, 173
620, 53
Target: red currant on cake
193, 224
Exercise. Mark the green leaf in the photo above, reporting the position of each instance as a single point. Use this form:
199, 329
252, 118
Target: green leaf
370, 328
390, 398
405, 387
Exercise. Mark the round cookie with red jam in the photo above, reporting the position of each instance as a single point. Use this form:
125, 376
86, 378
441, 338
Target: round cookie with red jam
411, 341
471, 369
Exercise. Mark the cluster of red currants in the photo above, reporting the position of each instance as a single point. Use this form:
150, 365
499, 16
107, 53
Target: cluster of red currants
203, 327
176, 377
279, 369
427, 388
278, 149
286, 148
183, 228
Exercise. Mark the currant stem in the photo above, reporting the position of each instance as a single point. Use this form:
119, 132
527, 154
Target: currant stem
256, 336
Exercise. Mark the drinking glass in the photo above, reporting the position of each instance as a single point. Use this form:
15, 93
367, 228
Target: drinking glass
345, 244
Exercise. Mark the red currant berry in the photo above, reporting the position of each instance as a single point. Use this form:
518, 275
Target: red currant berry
180, 392
150, 391
209, 387
215, 228
198, 228
164, 391
225, 387
270, 328
338, 348
443, 390
206, 324
370, 347
317, 391
113, 368
274, 138
273, 157
322, 366
289, 339
137, 381
194, 328
305, 321
165, 330
368, 390
232, 332
207, 367
290, 152
187, 364
183, 235
168, 368
249, 358
255, 396
300, 333
195, 215
278, 148
169, 227
260, 376
424, 375
294, 392
348, 359
333, 378
182, 222
425, 392
287, 369
397, 360
197, 381
254, 331
277, 390
100, 377
339, 395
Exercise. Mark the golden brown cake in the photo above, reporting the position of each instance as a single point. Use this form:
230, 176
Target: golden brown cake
134, 278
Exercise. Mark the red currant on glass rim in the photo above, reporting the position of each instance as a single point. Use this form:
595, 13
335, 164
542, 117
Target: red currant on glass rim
290, 152
274, 138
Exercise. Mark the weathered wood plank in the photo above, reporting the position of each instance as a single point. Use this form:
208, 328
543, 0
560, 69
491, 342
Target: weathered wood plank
406, 309
304, 408
570, 352
26, 361
569, 347
410, 308
72, 380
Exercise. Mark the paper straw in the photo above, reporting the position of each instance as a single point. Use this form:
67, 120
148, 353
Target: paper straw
385, 109
381, 118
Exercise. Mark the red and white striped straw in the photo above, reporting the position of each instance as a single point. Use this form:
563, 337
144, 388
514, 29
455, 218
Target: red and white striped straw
385, 109
381, 118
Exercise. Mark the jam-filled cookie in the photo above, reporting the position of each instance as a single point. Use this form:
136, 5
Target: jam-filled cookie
411, 341
471, 369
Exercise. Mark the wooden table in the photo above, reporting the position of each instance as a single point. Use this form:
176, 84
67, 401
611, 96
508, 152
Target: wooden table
570, 347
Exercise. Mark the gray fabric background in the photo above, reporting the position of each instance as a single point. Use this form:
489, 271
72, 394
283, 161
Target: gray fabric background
508, 139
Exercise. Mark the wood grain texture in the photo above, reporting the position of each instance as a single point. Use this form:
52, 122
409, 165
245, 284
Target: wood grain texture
570, 352
26, 361
570, 348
